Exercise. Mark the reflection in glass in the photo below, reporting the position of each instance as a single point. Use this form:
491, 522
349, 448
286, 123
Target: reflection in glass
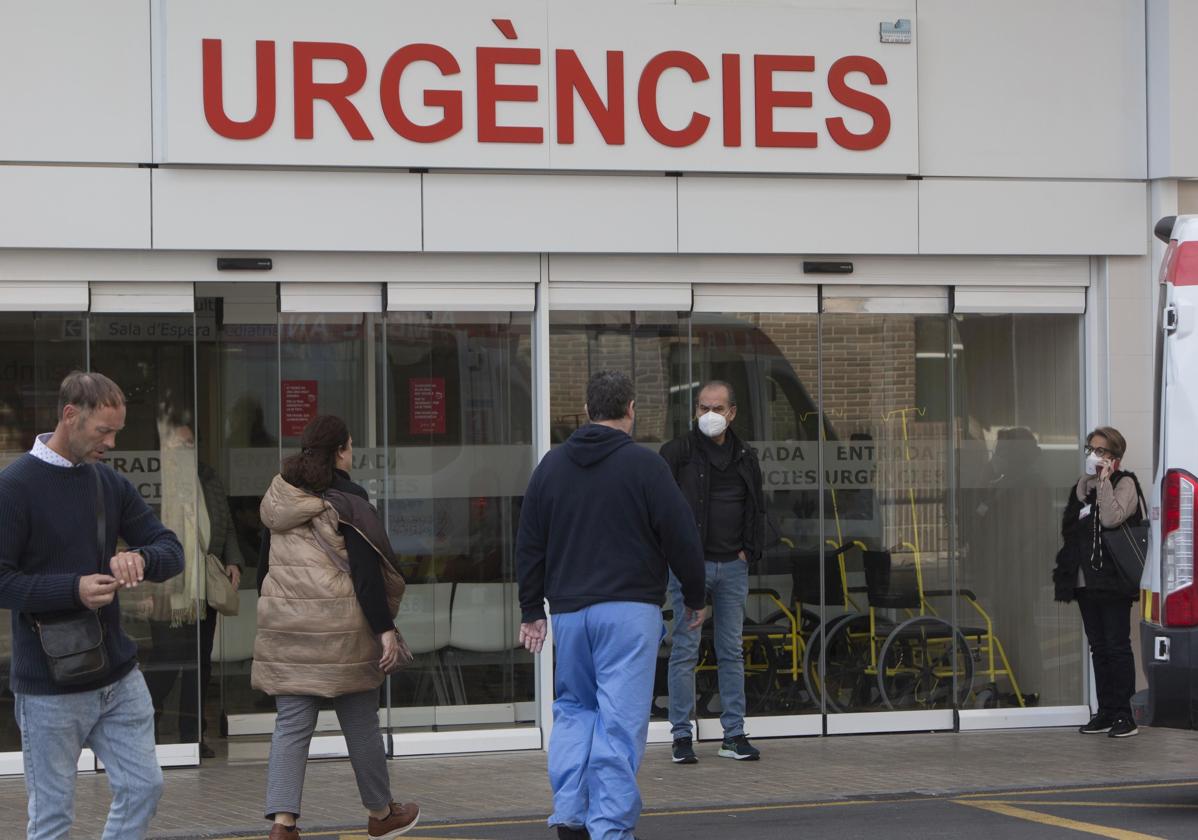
37, 351
1019, 435
152, 358
457, 457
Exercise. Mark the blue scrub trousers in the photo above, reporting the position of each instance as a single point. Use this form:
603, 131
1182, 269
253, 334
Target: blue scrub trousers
606, 655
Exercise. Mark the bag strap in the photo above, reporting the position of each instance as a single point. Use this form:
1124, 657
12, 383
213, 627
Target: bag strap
1139, 493
328, 550
101, 516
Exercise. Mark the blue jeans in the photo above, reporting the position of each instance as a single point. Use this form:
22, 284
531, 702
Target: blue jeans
117, 722
606, 656
728, 585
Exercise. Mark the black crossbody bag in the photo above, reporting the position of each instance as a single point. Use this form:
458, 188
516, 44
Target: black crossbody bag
74, 641
1127, 546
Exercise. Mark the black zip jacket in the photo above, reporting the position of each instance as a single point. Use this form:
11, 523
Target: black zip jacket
1083, 547
602, 520
688, 460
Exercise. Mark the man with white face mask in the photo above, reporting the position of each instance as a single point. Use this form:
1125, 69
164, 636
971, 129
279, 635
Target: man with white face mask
721, 479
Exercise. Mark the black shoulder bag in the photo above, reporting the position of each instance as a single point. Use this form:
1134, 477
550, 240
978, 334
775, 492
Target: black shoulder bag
1127, 546
74, 641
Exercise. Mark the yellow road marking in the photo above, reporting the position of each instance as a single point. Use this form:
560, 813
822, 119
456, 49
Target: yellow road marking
1056, 822
1103, 789
1080, 803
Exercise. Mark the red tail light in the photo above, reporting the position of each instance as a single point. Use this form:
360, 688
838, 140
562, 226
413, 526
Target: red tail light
1180, 265
1177, 549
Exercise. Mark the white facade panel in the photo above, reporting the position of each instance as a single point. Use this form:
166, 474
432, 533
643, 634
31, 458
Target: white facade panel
549, 213
798, 215
670, 268
1032, 217
75, 81
294, 210
461, 297
40, 296
752, 298
640, 297
1003, 300
886, 300
330, 297
74, 207
152, 296
1172, 89
1025, 88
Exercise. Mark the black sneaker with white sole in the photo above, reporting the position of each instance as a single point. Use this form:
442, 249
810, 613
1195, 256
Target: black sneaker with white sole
684, 751
1123, 727
1100, 724
739, 748
569, 832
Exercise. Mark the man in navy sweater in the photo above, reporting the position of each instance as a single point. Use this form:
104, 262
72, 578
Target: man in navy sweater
50, 563
602, 525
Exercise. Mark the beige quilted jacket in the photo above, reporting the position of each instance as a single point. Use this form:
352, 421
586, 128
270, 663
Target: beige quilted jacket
313, 638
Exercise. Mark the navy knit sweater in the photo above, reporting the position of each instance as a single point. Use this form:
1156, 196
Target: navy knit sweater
48, 542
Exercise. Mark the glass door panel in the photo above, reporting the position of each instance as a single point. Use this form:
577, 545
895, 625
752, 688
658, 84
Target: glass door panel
655, 350
458, 453
1019, 437
38, 350
152, 358
887, 524
237, 368
771, 361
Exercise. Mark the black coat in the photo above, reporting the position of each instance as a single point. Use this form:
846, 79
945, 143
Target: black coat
1083, 545
688, 460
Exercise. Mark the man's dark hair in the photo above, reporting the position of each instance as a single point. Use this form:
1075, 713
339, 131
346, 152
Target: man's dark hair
89, 391
718, 383
608, 394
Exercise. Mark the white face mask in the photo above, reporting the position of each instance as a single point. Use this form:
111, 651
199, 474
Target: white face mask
712, 424
1093, 461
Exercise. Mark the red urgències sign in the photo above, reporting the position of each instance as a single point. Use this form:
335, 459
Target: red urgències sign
856, 83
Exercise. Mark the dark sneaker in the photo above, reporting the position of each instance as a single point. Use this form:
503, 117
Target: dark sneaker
684, 751
740, 749
278, 831
403, 818
1098, 725
565, 832
1123, 727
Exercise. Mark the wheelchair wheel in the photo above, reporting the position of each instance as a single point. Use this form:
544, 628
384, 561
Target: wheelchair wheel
845, 685
925, 664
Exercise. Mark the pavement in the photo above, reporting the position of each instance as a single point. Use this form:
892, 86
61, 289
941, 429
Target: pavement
1045, 783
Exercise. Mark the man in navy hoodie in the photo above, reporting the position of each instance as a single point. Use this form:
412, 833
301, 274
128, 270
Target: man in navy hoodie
602, 525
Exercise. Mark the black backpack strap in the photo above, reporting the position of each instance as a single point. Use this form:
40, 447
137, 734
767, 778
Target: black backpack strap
101, 517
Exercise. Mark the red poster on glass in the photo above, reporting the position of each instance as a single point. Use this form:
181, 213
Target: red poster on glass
299, 405
427, 401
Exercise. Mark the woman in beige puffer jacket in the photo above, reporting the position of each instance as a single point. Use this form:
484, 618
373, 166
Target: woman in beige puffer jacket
329, 594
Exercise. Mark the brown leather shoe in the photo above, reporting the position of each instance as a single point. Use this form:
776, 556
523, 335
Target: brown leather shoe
280, 832
402, 820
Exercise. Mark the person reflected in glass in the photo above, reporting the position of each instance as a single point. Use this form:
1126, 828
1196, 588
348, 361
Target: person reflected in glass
1104, 498
1010, 517
329, 593
721, 479
174, 610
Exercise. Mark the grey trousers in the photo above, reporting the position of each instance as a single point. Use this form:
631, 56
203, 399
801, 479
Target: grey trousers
358, 716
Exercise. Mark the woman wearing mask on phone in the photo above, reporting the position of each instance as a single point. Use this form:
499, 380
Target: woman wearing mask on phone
1104, 498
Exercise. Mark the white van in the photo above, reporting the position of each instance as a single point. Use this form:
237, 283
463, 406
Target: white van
1169, 627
